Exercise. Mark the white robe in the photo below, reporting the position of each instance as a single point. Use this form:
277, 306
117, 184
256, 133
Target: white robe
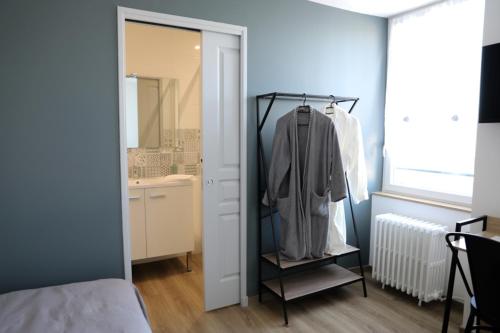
353, 159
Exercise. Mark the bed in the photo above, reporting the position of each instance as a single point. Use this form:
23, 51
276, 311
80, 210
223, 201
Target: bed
108, 305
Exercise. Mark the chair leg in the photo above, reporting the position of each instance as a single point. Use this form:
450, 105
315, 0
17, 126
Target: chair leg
478, 323
470, 322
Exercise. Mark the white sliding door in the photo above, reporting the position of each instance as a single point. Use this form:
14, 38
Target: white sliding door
221, 168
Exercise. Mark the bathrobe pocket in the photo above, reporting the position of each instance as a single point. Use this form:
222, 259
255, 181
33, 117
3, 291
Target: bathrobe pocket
283, 205
319, 204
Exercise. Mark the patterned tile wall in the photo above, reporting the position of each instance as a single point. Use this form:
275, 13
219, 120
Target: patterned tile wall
168, 159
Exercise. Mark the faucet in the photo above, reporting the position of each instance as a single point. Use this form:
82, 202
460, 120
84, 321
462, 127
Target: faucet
178, 147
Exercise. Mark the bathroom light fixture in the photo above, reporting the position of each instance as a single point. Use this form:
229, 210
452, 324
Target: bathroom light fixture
197, 47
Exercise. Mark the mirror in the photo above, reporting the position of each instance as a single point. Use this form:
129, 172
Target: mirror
152, 112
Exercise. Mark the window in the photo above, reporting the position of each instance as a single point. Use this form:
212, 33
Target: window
433, 78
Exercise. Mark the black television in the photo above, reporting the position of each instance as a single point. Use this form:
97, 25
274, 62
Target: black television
489, 100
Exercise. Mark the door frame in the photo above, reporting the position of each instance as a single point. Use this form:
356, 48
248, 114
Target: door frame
123, 14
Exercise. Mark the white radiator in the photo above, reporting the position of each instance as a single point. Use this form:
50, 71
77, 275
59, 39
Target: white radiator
410, 255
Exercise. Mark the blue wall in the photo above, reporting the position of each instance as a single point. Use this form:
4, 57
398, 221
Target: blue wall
60, 215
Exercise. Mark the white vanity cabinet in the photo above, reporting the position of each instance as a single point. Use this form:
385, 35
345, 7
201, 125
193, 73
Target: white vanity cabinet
167, 217
169, 220
137, 217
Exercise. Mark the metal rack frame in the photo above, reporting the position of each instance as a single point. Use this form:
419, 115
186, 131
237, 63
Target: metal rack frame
274, 258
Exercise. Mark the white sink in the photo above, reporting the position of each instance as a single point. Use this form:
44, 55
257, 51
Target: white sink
179, 177
171, 180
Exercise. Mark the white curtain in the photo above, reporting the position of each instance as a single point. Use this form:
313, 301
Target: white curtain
434, 60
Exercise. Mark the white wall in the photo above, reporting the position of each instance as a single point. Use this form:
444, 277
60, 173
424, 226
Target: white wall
486, 197
491, 22
162, 52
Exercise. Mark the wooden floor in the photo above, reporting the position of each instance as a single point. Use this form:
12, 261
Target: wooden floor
174, 299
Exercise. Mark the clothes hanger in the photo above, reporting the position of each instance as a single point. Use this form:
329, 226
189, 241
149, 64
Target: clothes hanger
304, 107
330, 109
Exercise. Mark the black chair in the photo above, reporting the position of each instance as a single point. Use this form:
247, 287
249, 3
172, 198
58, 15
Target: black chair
484, 264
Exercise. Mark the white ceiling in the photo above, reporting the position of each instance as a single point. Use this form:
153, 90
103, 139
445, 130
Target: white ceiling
382, 8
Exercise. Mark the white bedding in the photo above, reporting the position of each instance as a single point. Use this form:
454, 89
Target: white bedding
109, 305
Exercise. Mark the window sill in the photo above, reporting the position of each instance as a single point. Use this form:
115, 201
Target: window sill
415, 199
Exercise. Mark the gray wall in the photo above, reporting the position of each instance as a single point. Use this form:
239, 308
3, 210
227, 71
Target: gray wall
60, 216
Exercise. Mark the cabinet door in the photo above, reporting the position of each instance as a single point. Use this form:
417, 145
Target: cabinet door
137, 214
169, 216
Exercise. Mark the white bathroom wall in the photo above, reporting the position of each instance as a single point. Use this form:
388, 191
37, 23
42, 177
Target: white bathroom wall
175, 57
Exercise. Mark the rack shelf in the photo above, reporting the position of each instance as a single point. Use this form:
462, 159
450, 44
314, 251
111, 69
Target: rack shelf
288, 283
285, 264
313, 281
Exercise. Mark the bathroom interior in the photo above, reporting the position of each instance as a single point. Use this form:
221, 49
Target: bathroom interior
163, 120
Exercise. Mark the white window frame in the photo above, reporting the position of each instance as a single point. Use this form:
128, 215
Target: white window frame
388, 186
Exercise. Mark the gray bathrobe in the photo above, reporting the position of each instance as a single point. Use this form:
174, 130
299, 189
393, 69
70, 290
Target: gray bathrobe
305, 173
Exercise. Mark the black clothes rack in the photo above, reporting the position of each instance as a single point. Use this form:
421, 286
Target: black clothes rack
295, 279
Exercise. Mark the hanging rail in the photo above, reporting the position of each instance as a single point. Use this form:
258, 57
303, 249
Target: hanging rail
289, 96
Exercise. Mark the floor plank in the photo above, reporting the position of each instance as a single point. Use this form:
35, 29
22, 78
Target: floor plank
174, 299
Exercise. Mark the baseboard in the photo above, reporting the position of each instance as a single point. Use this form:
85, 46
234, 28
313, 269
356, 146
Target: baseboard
170, 256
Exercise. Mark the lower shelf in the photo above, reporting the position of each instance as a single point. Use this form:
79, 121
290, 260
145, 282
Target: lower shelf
312, 281
285, 264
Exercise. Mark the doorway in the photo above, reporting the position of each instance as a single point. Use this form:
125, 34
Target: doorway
222, 132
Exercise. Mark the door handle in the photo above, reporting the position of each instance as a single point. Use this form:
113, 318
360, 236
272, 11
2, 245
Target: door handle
133, 198
157, 196
210, 181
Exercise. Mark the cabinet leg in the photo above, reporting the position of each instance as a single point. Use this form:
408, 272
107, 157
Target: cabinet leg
188, 266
